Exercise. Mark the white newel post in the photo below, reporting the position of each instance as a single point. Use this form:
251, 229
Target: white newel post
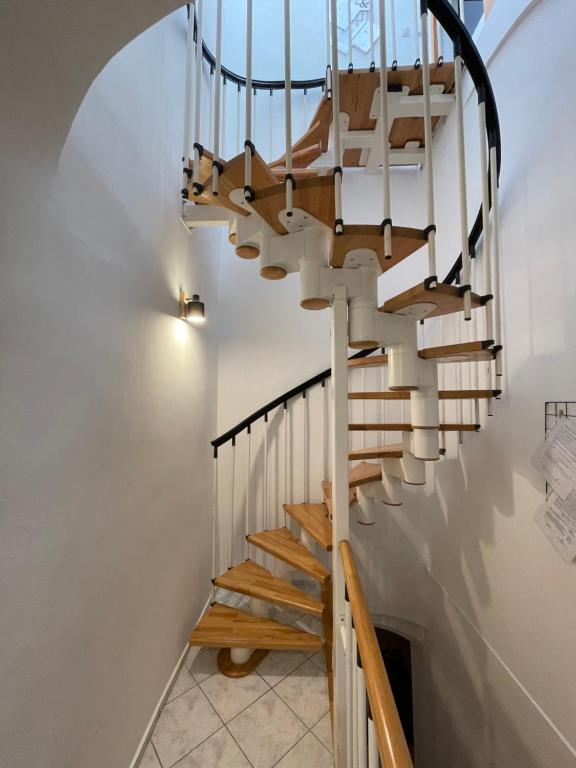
340, 510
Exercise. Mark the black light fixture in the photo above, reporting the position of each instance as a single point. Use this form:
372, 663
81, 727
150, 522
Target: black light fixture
192, 309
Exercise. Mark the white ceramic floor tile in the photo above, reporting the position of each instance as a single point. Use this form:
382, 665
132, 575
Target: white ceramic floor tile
230, 696
323, 730
306, 693
183, 683
219, 751
183, 725
308, 752
319, 659
204, 664
278, 664
266, 730
149, 759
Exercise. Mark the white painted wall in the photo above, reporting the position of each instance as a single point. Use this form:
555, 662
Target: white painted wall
108, 403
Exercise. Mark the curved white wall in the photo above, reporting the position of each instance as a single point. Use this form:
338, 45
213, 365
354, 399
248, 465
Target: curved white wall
108, 405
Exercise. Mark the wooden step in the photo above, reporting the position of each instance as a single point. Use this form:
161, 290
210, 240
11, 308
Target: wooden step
444, 394
254, 580
468, 352
301, 158
420, 302
391, 451
282, 543
314, 195
232, 177
327, 491
225, 627
313, 518
408, 427
405, 241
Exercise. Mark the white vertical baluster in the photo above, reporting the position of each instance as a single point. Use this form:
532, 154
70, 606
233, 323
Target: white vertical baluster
248, 146
325, 452
371, 25
466, 288
188, 85
349, 10
238, 103
362, 721
224, 110
429, 167
328, 83
394, 39
385, 134
198, 149
496, 261
416, 41
248, 492
306, 451
373, 757
270, 140
349, 688
231, 559
216, 164
355, 676
288, 180
338, 224
266, 471
210, 102
285, 421
484, 176
340, 504
215, 558
364, 408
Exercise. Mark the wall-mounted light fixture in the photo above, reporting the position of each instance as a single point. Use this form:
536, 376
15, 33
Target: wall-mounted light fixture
192, 309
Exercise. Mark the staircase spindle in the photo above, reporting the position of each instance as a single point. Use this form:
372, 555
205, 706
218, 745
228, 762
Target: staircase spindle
349, 686
270, 138
216, 164
306, 451
354, 702
210, 103
238, 102
373, 757
325, 453
429, 168
288, 180
465, 287
248, 145
496, 260
328, 80
394, 40
371, 27
362, 722
416, 41
385, 135
265, 471
339, 223
349, 11
215, 558
485, 178
248, 492
231, 558
224, 110
188, 88
198, 149
285, 423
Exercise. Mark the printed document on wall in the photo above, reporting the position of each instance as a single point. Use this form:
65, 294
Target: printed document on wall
557, 518
555, 460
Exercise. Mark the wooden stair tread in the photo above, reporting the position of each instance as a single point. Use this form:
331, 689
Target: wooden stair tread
391, 451
282, 543
225, 627
389, 427
444, 394
232, 177
467, 352
314, 195
405, 241
254, 580
313, 518
445, 299
327, 491
364, 473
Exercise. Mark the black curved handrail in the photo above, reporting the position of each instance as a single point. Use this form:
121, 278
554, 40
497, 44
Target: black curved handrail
450, 21
301, 389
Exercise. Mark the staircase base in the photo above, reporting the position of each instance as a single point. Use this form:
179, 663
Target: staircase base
230, 669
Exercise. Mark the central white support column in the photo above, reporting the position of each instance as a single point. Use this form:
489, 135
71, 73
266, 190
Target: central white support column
340, 510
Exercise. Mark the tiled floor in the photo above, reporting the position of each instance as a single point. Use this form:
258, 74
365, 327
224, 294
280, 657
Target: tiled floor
277, 716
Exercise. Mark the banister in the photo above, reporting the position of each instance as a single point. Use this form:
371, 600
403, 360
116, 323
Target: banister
281, 400
392, 746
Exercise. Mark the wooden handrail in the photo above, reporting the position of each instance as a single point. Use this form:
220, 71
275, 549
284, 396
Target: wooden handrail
392, 746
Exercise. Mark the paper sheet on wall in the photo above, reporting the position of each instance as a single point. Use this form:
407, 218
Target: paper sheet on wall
555, 460
557, 518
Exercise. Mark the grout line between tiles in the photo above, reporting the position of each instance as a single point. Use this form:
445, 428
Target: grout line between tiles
239, 747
